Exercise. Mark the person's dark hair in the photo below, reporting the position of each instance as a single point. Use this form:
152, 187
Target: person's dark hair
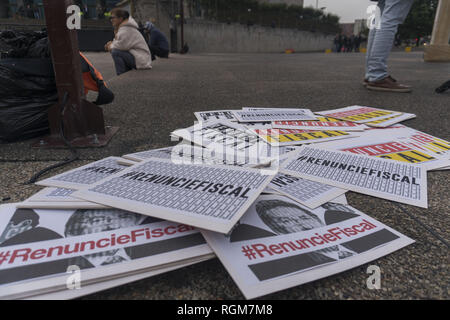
120, 13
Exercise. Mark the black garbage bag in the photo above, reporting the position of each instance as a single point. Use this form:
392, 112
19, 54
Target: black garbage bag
27, 85
24, 44
27, 90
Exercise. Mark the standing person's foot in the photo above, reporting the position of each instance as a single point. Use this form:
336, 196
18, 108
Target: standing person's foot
387, 84
365, 82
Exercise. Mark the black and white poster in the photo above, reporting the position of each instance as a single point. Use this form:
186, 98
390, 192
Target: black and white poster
85, 175
204, 196
273, 115
215, 115
279, 244
383, 178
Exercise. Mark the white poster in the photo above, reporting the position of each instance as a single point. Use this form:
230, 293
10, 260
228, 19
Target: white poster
215, 115
388, 147
87, 289
57, 198
383, 178
85, 175
54, 195
162, 153
39, 246
274, 115
359, 114
318, 125
204, 196
424, 141
292, 137
227, 140
279, 244
191, 154
309, 193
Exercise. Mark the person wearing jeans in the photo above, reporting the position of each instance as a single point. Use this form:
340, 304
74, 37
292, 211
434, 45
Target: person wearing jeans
123, 61
380, 42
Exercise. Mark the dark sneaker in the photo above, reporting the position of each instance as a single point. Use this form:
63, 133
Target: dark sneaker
365, 82
388, 84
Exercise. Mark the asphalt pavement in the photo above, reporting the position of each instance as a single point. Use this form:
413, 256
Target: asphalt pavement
150, 104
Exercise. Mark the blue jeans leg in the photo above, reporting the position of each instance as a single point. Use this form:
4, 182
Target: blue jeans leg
123, 61
381, 40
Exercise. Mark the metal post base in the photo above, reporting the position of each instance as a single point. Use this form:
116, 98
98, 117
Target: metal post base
91, 141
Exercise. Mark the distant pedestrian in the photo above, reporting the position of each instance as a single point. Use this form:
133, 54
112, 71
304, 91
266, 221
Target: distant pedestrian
340, 42
21, 12
351, 45
336, 43
29, 12
36, 12
381, 39
346, 44
158, 44
357, 42
100, 11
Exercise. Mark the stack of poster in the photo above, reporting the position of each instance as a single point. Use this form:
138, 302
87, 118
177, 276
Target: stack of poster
368, 115
264, 186
40, 249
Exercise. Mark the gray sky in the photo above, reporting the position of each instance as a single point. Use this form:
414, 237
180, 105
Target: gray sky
348, 10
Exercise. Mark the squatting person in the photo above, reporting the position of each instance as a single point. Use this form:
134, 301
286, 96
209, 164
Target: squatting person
128, 49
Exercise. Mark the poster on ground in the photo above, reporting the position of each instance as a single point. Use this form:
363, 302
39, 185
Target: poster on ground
204, 196
292, 137
230, 140
85, 175
309, 193
279, 244
383, 178
362, 114
387, 122
273, 115
388, 147
318, 125
38, 247
215, 115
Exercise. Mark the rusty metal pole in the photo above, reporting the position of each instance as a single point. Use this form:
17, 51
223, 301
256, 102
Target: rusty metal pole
82, 121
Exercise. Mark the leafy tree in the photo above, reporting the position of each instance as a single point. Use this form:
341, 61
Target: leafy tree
420, 20
268, 14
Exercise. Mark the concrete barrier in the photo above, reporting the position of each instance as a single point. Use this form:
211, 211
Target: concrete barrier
236, 38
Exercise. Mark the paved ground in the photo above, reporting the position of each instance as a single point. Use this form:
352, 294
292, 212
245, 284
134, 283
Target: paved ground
150, 104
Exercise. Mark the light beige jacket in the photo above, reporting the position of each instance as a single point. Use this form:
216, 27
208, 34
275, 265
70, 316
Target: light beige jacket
128, 38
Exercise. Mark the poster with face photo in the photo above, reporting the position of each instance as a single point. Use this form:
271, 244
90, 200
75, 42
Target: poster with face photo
39, 246
84, 175
280, 244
